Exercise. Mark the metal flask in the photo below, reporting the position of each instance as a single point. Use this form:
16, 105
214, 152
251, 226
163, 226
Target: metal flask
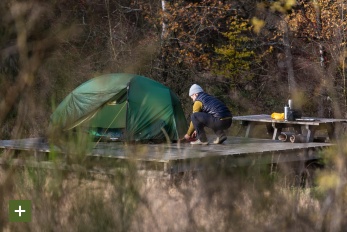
286, 112
290, 104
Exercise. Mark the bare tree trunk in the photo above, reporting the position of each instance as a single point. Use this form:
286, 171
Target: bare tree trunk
107, 5
164, 22
292, 87
343, 38
324, 97
319, 32
164, 35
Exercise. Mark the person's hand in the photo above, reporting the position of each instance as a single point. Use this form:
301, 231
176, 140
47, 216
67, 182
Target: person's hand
186, 137
194, 134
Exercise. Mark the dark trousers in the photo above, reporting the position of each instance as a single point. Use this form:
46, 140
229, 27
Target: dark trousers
201, 120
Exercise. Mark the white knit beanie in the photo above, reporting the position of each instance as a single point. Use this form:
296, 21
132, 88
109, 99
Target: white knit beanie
195, 89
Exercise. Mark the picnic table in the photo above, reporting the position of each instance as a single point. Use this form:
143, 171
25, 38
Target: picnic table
275, 127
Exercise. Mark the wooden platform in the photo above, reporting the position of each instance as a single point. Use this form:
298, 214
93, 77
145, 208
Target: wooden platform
180, 157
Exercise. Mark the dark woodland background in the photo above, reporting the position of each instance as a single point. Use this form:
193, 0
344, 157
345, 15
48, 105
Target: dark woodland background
254, 55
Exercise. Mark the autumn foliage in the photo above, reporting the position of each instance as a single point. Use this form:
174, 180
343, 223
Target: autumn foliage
254, 57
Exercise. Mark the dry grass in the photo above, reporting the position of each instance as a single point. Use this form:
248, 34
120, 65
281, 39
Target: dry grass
247, 199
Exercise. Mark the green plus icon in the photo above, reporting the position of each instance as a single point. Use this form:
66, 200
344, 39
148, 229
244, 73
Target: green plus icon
20, 210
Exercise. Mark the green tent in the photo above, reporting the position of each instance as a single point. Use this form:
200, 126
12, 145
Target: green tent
122, 107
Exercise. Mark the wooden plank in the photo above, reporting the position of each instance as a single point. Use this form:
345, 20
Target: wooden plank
174, 157
29, 144
174, 151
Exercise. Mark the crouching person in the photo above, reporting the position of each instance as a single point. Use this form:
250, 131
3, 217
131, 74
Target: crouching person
210, 112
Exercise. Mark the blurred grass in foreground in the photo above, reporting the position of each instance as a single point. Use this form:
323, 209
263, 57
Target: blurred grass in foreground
251, 198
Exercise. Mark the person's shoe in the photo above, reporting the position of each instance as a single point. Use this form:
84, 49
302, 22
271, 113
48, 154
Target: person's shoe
198, 142
220, 140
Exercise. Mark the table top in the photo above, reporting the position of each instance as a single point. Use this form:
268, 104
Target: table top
303, 120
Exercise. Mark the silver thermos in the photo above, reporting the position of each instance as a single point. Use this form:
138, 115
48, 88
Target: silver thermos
287, 108
290, 104
286, 111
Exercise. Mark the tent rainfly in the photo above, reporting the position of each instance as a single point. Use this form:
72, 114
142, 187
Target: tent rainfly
123, 107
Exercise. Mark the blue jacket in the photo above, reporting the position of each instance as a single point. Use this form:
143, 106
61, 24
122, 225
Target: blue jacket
213, 106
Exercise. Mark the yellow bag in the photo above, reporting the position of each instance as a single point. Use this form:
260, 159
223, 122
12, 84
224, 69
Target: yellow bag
277, 116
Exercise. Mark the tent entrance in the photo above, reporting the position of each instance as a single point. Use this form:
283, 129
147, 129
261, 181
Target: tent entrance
109, 122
